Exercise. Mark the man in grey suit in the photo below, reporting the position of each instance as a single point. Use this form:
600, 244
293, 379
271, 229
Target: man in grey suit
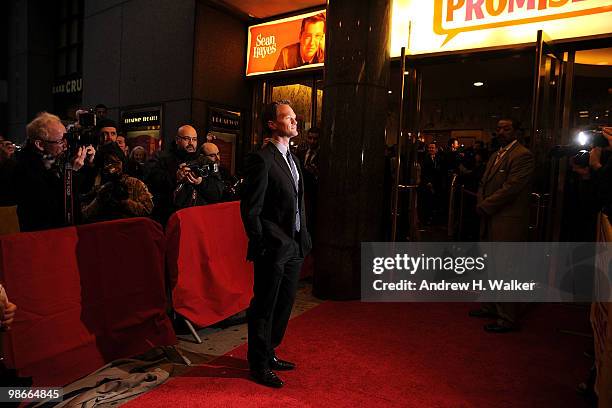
272, 209
503, 204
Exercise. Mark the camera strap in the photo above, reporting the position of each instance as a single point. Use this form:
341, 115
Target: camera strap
68, 194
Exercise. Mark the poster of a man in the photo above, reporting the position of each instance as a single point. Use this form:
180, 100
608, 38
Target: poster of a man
311, 47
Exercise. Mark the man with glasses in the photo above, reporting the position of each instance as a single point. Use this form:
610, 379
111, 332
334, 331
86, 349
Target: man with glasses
203, 185
165, 172
38, 181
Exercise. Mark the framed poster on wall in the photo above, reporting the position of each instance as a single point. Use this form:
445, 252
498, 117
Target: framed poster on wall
291, 43
142, 127
224, 128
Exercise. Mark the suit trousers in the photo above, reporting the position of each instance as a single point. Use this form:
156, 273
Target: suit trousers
275, 285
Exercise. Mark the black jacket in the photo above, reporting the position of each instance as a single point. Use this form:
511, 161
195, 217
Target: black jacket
267, 206
161, 180
39, 192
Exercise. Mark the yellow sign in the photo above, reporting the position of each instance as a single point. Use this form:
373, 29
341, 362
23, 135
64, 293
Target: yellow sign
450, 25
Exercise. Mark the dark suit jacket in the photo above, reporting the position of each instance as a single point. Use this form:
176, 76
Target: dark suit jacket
39, 192
504, 195
268, 204
433, 172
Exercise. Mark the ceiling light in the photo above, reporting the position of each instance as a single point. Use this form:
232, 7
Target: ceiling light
390, 92
478, 83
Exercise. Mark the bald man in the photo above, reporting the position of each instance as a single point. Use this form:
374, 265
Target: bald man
165, 171
213, 187
211, 151
230, 193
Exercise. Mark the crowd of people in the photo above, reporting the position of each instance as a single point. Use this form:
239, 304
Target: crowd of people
106, 177
439, 164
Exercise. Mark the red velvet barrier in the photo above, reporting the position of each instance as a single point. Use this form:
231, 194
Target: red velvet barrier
206, 257
86, 295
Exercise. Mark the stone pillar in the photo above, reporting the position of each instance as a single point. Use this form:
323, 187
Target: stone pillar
352, 144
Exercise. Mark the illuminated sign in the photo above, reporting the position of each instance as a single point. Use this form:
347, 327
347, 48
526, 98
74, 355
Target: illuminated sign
138, 119
289, 44
223, 119
143, 128
449, 25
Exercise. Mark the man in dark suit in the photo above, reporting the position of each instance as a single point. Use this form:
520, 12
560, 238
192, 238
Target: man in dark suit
432, 188
272, 209
310, 163
503, 204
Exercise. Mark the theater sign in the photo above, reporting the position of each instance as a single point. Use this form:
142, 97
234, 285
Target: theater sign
452, 25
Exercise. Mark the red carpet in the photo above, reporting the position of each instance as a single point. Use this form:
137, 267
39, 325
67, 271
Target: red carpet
352, 354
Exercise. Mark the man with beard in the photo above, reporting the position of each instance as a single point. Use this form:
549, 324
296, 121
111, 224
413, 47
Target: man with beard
165, 172
115, 194
202, 185
38, 181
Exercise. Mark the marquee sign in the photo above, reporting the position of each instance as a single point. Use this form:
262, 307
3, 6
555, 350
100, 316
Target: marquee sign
449, 25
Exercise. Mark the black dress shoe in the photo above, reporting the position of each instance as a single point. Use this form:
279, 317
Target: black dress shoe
484, 314
267, 377
281, 365
498, 328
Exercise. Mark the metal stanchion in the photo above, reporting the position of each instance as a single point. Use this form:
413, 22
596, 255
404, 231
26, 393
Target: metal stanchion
451, 206
413, 232
463, 193
398, 172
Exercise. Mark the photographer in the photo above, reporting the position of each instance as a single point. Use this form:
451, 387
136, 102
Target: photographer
588, 190
200, 182
601, 172
38, 180
161, 172
115, 194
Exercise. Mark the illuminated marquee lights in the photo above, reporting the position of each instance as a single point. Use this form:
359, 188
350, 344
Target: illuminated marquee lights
452, 25
452, 17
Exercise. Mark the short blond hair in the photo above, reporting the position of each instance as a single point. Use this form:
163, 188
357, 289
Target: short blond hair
37, 128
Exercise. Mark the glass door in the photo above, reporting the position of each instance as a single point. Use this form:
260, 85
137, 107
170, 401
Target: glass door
548, 91
452, 106
572, 94
587, 107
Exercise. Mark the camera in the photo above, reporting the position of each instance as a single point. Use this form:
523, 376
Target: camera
86, 118
585, 140
202, 167
112, 193
592, 138
82, 133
